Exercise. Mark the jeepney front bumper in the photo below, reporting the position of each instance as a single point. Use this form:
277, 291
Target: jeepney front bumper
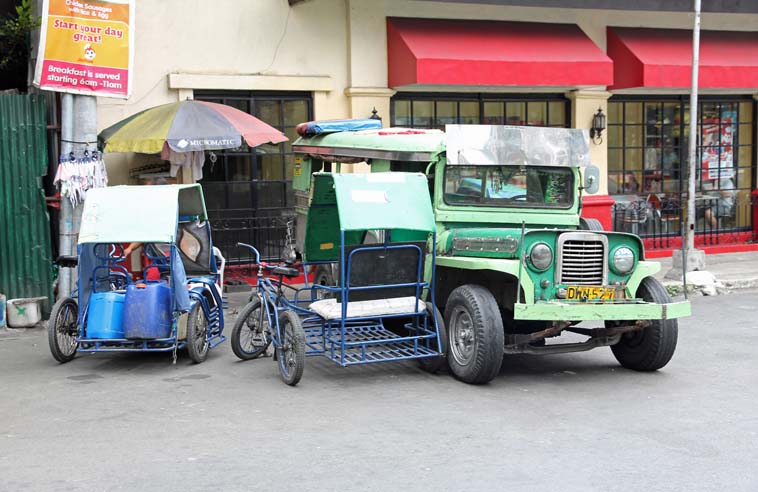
587, 311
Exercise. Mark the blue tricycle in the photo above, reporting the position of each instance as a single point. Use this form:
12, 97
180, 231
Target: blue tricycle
177, 304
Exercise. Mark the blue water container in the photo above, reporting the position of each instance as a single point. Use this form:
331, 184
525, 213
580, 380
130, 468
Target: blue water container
105, 315
147, 310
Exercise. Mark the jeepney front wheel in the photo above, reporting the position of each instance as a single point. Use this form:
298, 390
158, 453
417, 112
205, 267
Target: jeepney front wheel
475, 334
651, 348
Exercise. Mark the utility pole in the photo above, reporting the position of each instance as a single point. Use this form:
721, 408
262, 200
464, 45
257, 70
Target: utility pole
689, 258
78, 133
693, 131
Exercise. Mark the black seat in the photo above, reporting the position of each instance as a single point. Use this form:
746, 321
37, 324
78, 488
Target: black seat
285, 271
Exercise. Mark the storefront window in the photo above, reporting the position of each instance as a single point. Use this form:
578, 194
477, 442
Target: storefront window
436, 111
648, 164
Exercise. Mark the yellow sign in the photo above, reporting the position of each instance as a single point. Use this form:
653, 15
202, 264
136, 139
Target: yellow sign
86, 47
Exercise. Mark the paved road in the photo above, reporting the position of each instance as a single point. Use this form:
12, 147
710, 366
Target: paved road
573, 422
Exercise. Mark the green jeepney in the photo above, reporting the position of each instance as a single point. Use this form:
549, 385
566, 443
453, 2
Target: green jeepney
516, 264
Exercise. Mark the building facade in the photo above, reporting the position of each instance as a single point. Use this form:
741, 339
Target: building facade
425, 64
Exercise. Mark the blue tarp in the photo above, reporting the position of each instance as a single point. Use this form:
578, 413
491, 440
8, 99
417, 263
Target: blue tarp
312, 128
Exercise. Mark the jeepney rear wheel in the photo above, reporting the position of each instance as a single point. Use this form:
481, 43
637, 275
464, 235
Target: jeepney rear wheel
323, 276
475, 334
651, 348
433, 365
62, 329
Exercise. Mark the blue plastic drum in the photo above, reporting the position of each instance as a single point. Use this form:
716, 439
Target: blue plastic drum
147, 310
105, 315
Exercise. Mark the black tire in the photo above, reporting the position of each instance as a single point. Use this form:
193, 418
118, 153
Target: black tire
590, 224
651, 348
197, 335
323, 276
250, 337
62, 329
291, 355
433, 365
475, 334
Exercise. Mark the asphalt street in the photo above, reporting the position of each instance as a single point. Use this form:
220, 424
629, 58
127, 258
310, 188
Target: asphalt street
575, 422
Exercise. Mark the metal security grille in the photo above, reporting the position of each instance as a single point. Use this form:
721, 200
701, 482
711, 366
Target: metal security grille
582, 259
248, 191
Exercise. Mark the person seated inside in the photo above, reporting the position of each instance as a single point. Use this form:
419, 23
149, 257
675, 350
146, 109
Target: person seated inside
630, 184
719, 202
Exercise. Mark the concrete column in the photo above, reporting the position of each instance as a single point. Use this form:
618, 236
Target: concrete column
367, 59
584, 105
363, 100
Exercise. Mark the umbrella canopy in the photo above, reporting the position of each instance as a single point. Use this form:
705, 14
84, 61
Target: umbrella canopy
187, 126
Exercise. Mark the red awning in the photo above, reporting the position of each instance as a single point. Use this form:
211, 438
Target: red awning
662, 58
487, 53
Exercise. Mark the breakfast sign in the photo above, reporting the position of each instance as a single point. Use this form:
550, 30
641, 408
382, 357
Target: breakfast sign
86, 47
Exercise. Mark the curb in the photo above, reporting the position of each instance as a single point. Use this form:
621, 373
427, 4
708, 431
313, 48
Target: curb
720, 287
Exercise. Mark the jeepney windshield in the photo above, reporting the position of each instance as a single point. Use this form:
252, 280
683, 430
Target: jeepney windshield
509, 186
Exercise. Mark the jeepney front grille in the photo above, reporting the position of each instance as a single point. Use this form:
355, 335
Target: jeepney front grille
582, 258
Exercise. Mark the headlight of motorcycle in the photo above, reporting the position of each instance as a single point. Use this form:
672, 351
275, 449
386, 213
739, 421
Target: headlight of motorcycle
623, 260
541, 256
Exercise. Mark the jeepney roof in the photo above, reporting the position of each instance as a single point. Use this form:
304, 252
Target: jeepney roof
403, 144
517, 145
122, 214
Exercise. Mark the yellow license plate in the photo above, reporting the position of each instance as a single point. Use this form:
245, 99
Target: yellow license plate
590, 293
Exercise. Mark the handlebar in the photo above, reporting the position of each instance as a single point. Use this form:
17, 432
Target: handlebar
251, 247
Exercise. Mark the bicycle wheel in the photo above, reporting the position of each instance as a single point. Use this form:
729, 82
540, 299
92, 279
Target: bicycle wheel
250, 335
62, 329
291, 353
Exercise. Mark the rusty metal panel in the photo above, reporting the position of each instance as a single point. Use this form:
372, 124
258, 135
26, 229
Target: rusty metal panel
25, 262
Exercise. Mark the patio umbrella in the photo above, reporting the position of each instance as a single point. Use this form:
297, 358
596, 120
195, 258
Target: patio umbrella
187, 126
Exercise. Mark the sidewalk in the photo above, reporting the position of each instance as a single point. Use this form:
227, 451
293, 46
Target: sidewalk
732, 271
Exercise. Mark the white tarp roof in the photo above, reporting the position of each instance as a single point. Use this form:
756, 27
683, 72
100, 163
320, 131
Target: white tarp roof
146, 214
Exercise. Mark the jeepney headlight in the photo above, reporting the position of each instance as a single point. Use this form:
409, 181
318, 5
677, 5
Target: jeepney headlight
541, 256
623, 260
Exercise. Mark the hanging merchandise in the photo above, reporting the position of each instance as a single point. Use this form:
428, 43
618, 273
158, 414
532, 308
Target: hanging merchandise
76, 175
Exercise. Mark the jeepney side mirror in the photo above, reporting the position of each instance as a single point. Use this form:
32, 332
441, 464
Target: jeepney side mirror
591, 179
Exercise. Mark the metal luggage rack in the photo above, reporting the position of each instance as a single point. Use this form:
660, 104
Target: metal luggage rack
368, 341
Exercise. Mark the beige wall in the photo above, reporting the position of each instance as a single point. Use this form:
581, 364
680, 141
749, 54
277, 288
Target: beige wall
335, 49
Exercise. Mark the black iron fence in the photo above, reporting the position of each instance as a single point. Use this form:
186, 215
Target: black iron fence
659, 220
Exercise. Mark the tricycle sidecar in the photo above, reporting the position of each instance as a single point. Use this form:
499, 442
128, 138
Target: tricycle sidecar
178, 302
378, 230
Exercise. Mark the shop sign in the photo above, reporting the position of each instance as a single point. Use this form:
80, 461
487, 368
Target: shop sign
86, 47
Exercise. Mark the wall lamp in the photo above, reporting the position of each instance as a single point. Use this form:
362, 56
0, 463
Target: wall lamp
598, 125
